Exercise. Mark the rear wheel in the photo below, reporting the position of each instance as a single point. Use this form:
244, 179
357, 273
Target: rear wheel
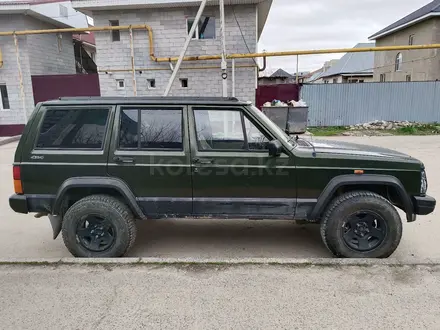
98, 226
361, 224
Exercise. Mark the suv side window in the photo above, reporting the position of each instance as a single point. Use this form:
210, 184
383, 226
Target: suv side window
256, 139
73, 129
227, 130
151, 129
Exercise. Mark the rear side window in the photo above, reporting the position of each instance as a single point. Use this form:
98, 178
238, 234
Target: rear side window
151, 129
73, 129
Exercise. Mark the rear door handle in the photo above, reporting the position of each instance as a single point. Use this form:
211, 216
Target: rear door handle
202, 161
124, 160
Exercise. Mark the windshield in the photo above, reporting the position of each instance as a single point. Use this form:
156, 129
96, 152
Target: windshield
271, 124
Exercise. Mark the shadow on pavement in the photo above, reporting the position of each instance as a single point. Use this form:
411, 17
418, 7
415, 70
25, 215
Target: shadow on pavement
227, 239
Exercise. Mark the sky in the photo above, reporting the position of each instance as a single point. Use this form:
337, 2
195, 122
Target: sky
318, 24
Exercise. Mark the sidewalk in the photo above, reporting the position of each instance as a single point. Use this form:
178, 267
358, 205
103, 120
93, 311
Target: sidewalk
219, 296
8, 139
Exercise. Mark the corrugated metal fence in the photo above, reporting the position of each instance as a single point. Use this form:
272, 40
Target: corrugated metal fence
350, 104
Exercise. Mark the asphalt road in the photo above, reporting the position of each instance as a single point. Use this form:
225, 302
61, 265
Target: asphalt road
24, 236
219, 297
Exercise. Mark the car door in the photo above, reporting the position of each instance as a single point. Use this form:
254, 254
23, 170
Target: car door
150, 152
233, 174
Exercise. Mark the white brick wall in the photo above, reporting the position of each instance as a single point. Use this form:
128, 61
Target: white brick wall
169, 28
9, 72
46, 58
38, 55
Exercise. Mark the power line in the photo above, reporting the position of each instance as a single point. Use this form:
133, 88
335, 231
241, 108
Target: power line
242, 35
376, 67
394, 64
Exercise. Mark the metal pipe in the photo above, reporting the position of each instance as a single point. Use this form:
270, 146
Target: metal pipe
20, 77
224, 64
302, 52
133, 68
67, 30
91, 29
166, 69
264, 64
185, 47
233, 77
219, 57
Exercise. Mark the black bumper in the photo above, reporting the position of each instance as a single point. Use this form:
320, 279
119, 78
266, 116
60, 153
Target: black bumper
31, 203
423, 205
19, 203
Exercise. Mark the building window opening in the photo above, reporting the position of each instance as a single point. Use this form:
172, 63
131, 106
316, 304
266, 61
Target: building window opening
399, 61
184, 82
120, 83
116, 34
204, 30
5, 98
151, 83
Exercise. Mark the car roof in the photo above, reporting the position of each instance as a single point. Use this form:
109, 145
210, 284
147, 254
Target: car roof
168, 100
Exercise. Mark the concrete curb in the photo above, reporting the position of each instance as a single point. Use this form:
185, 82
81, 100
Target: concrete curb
310, 262
10, 140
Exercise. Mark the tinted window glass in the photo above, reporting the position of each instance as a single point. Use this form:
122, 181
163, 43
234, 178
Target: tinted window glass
128, 135
73, 129
161, 129
157, 129
219, 130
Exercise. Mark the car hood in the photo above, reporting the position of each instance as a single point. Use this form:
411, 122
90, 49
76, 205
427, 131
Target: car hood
345, 148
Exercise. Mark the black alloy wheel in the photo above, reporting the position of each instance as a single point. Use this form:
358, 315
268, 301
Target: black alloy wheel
95, 233
364, 231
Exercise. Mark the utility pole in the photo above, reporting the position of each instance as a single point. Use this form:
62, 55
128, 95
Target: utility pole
224, 64
297, 69
185, 47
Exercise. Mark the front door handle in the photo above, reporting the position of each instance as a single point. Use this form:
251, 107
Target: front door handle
124, 160
203, 161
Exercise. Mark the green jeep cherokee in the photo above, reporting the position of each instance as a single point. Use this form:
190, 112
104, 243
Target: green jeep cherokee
96, 165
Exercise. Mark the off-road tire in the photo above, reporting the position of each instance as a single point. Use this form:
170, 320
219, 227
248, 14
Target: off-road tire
113, 210
342, 207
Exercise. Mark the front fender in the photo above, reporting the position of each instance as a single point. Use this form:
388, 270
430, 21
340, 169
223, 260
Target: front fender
366, 179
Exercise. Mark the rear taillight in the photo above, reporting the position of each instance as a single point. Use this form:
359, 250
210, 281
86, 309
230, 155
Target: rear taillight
18, 187
17, 173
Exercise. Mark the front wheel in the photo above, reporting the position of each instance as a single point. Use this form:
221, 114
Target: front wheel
98, 226
361, 224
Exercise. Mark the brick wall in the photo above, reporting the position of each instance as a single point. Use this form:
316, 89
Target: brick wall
9, 72
38, 55
46, 57
170, 29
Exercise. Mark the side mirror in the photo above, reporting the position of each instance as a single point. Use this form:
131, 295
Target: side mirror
275, 148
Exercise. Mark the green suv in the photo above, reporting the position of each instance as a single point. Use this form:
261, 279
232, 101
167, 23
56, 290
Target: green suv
95, 166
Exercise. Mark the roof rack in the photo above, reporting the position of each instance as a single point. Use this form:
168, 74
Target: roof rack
149, 98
